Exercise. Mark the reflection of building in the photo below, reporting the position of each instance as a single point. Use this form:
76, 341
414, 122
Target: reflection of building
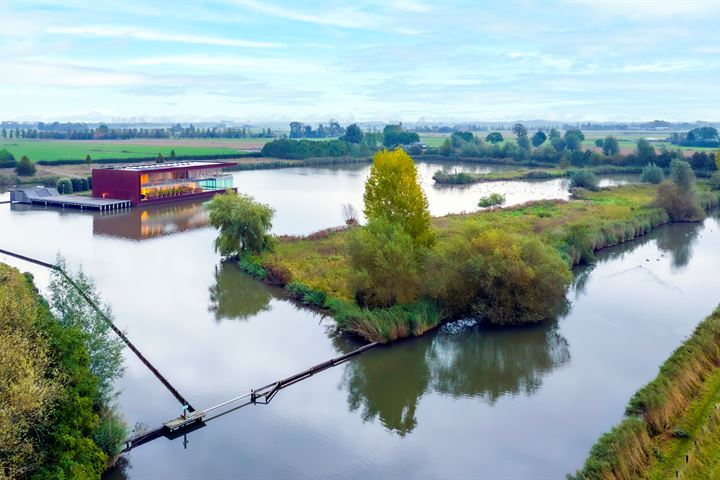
161, 182
152, 221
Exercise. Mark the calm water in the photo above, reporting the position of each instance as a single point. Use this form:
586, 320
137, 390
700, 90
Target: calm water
464, 402
310, 199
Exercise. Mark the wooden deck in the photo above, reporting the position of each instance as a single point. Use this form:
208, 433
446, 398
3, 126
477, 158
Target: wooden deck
50, 197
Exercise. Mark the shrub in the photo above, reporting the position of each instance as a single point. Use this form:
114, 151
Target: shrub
386, 264
584, 179
682, 175
64, 186
244, 224
491, 200
84, 185
679, 205
76, 184
7, 160
651, 173
25, 168
714, 181
497, 277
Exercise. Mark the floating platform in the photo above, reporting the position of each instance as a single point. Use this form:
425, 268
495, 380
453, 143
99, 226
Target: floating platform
50, 197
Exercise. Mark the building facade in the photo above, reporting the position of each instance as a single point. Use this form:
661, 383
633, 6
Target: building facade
161, 182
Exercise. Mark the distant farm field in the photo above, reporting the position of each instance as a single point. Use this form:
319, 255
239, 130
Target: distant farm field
50, 150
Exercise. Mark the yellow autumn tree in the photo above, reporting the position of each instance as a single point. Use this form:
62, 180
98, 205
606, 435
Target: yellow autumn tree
393, 193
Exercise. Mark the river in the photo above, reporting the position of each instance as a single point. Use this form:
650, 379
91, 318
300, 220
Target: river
462, 402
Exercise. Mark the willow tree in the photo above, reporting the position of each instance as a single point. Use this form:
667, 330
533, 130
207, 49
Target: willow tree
244, 224
393, 193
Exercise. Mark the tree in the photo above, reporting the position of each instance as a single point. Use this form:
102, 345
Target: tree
677, 196
387, 271
394, 135
73, 311
244, 224
353, 134
296, 130
64, 186
519, 130
160, 158
494, 137
538, 138
25, 168
610, 146
554, 134
7, 159
717, 160
172, 154
682, 175
393, 192
88, 160
573, 139
599, 142
523, 142
645, 152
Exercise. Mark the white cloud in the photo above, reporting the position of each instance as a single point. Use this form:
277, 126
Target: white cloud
152, 35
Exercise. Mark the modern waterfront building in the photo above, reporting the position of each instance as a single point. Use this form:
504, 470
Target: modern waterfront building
161, 182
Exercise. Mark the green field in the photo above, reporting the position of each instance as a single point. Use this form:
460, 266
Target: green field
433, 141
73, 150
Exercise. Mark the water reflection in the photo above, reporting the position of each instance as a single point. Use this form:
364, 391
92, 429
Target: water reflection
488, 364
235, 295
142, 222
461, 360
679, 242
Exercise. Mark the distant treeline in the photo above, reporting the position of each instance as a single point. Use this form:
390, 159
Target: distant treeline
103, 132
219, 156
697, 137
564, 149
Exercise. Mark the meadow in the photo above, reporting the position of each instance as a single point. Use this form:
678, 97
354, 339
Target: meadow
60, 150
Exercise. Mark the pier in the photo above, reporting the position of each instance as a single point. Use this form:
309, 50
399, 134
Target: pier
50, 197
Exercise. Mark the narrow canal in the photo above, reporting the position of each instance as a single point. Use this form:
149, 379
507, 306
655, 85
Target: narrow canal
462, 402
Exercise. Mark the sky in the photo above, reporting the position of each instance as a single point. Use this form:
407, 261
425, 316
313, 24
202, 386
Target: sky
352, 60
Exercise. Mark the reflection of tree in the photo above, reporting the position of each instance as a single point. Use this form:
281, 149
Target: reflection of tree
581, 275
491, 363
235, 295
387, 382
679, 239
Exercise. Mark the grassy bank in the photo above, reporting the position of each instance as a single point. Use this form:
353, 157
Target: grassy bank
317, 269
462, 178
672, 424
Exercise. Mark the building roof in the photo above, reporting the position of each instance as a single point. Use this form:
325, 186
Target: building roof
159, 167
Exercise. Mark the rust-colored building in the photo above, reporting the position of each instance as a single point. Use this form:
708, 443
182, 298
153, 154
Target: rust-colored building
161, 182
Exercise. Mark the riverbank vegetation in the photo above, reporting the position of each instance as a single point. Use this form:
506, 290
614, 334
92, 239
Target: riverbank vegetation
58, 362
672, 424
395, 277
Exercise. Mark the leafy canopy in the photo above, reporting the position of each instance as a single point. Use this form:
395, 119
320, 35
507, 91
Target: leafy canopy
244, 224
393, 192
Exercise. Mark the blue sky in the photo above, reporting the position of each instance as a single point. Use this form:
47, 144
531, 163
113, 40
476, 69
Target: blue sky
356, 61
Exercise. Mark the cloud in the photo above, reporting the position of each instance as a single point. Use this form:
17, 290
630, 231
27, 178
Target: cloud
157, 36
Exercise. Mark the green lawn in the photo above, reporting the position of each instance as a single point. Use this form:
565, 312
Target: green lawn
73, 150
